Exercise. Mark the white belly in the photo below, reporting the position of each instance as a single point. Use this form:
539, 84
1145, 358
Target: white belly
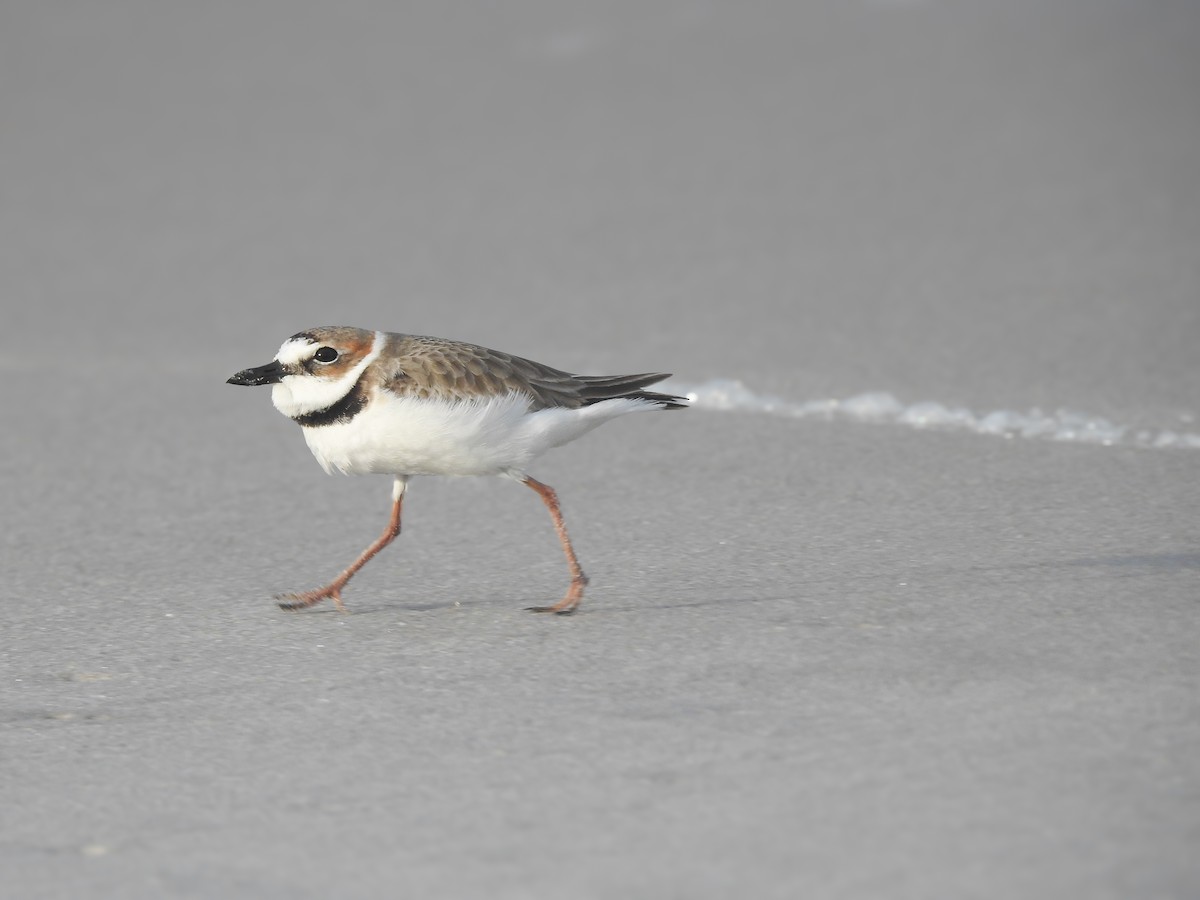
408, 436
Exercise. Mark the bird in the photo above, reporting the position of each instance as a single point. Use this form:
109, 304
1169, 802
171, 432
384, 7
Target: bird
378, 402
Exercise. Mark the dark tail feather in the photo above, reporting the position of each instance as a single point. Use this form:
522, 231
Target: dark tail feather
605, 387
668, 401
627, 387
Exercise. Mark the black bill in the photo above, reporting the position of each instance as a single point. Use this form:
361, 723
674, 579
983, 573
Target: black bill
271, 373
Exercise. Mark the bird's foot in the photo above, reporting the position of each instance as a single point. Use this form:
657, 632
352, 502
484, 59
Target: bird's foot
312, 598
569, 603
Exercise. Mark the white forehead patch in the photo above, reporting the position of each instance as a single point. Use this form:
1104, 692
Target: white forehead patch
295, 350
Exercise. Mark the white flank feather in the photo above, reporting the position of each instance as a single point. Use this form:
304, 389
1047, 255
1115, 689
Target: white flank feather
479, 436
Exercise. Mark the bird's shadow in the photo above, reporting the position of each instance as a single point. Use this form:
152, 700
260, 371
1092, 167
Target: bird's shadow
1133, 565
382, 605
1114, 565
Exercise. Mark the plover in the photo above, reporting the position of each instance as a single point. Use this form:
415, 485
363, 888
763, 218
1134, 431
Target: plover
376, 402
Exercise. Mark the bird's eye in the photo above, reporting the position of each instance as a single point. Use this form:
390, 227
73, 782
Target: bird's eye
325, 355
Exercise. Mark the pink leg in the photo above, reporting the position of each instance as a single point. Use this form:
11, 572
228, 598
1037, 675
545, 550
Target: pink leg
333, 590
570, 602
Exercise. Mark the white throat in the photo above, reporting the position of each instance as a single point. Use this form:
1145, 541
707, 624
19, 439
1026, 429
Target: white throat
299, 395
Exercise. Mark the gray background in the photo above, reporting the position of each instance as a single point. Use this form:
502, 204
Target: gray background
818, 658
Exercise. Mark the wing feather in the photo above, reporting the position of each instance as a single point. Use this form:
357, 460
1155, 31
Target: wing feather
439, 368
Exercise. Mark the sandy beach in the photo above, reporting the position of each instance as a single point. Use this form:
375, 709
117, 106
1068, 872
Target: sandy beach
905, 606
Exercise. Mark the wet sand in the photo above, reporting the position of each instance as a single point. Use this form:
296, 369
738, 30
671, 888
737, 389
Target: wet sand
817, 658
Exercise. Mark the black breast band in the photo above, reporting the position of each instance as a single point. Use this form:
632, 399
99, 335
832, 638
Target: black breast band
342, 411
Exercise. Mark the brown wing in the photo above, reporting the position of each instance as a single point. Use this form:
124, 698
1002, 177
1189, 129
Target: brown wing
436, 367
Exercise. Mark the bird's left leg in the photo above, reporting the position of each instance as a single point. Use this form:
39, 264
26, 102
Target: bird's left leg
570, 602
333, 590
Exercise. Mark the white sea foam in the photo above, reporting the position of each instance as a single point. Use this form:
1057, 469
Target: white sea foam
883, 408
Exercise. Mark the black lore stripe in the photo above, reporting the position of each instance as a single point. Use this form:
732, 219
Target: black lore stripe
342, 411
